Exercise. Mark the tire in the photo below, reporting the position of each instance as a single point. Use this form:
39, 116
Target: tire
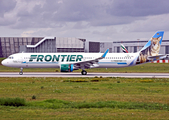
84, 72
20, 73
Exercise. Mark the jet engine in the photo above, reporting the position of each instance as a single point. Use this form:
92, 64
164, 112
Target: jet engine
66, 67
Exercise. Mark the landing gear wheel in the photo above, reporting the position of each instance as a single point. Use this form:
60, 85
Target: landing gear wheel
84, 72
20, 73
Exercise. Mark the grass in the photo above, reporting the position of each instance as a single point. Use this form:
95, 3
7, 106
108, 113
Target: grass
12, 102
63, 98
144, 68
56, 104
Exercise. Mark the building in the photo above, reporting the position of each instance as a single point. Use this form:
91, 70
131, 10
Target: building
11, 45
56, 44
135, 46
105, 45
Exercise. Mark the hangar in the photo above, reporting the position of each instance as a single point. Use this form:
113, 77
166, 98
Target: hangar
11, 45
55, 44
135, 46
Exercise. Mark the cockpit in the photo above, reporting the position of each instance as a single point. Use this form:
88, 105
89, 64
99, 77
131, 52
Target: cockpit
9, 62
10, 57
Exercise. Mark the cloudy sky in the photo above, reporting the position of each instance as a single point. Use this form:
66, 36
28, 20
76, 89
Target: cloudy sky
94, 20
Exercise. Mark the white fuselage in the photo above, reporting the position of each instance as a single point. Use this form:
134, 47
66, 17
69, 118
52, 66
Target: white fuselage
53, 60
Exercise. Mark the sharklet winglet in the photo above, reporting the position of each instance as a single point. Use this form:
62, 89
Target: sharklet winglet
105, 53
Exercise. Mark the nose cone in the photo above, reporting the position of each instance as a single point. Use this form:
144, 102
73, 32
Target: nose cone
3, 62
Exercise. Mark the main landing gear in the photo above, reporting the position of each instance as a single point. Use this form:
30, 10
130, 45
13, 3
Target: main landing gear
21, 72
84, 72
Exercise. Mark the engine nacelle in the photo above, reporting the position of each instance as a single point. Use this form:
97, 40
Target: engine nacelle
66, 67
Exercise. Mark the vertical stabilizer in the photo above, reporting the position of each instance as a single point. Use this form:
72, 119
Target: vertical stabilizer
152, 48
124, 49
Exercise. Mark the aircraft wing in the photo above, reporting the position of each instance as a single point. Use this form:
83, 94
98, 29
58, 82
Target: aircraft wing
90, 63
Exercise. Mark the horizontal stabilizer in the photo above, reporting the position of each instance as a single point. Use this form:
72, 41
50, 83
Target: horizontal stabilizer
159, 57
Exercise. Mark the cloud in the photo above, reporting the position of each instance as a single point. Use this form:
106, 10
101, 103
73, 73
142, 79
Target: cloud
96, 19
150, 24
56, 13
137, 8
6, 6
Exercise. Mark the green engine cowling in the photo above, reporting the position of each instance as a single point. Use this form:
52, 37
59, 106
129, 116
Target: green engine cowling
66, 67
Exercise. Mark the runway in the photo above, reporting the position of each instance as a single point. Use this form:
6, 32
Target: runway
57, 74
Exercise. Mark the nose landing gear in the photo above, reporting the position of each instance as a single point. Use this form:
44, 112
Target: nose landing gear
21, 72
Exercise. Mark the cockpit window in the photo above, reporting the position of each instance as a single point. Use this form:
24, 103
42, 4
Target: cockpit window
10, 57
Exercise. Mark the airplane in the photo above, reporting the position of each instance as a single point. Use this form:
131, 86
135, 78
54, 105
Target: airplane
68, 62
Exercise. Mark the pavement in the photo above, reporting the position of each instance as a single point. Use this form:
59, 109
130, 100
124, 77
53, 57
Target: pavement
58, 74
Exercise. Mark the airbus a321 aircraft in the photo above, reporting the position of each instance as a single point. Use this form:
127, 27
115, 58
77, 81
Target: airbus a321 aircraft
67, 62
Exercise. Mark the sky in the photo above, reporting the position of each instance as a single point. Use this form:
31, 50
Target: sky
93, 20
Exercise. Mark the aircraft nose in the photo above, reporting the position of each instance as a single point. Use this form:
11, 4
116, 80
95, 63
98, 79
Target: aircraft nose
3, 62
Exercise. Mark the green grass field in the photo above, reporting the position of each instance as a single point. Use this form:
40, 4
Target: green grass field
145, 68
86, 98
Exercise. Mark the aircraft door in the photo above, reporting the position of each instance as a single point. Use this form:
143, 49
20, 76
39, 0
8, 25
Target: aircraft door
20, 61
